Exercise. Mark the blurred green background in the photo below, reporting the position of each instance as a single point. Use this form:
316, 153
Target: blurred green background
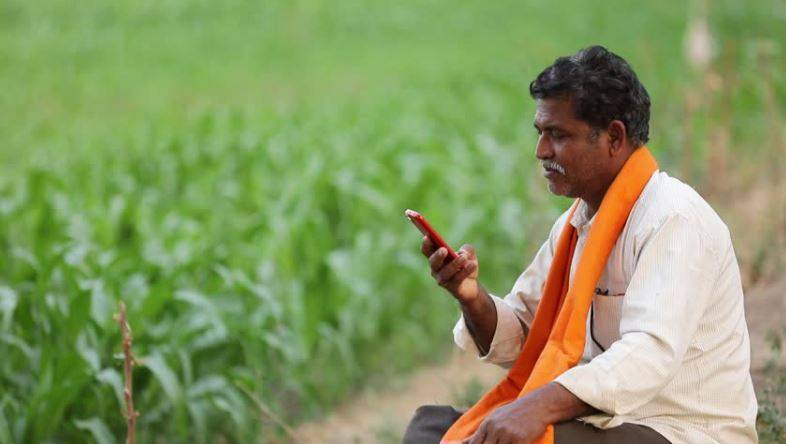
237, 172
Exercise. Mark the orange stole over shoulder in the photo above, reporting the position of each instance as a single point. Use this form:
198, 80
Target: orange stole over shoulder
555, 342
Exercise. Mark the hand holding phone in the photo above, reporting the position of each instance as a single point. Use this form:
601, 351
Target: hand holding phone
456, 272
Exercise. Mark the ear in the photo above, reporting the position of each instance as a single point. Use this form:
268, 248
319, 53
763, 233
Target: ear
617, 135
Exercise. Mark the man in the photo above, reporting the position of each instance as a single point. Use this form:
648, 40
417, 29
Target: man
663, 352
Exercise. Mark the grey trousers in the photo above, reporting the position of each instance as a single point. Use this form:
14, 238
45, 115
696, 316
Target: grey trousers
432, 421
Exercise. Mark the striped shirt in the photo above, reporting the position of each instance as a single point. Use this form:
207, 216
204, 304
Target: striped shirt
667, 345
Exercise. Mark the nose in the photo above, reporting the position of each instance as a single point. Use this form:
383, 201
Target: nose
543, 149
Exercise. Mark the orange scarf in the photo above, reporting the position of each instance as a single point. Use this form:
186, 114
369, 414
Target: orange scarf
555, 342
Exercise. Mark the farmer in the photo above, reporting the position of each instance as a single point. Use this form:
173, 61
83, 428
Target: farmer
628, 325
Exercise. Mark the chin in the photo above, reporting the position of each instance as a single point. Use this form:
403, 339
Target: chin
559, 190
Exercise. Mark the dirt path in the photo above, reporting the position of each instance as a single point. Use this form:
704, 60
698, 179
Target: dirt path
380, 417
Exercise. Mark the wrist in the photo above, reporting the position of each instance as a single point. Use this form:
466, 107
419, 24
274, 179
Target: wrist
556, 404
533, 410
475, 301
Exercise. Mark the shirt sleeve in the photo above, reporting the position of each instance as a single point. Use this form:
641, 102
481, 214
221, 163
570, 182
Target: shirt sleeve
517, 308
669, 290
507, 340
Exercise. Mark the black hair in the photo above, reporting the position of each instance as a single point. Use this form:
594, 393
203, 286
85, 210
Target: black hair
602, 87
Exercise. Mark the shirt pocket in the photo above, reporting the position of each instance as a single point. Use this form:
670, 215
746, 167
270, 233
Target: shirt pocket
604, 320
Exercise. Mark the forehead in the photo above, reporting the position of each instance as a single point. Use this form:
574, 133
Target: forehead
555, 112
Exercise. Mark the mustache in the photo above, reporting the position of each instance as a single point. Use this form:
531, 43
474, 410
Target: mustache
551, 165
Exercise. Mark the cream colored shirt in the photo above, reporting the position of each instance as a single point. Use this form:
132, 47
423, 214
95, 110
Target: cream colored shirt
667, 346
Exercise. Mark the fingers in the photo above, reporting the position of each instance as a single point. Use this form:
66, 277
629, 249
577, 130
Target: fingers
447, 273
437, 259
427, 247
480, 435
470, 266
454, 272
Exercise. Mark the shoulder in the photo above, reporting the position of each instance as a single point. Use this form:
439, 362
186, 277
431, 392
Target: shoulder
667, 200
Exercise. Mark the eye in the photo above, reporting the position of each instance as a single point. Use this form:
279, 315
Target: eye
557, 134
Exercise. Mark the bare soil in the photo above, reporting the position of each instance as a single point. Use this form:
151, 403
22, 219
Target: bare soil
381, 416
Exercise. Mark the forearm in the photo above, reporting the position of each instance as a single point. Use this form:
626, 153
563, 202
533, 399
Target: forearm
557, 404
480, 315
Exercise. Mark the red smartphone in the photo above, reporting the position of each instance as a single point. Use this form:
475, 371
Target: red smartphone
420, 222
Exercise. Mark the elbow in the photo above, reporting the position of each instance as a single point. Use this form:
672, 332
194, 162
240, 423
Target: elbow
648, 373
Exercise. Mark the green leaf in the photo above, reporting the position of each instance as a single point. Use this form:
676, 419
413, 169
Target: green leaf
166, 377
8, 301
5, 430
20, 344
97, 428
195, 298
101, 305
87, 351
210, 384
111, 377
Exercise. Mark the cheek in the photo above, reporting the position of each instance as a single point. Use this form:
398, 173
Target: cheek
568, 161
579, 165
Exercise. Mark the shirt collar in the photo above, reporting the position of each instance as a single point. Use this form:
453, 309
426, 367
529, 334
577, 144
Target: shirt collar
580, 219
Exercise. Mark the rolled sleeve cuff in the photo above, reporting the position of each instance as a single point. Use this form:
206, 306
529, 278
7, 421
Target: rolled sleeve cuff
589, 386
507, 340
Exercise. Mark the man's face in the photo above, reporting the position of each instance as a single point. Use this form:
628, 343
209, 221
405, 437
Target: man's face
569, 150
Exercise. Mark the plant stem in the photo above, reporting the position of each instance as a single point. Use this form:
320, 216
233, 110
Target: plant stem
128, 364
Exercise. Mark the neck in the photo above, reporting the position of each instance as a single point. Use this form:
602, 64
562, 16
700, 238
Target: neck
593, 200
592, 206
